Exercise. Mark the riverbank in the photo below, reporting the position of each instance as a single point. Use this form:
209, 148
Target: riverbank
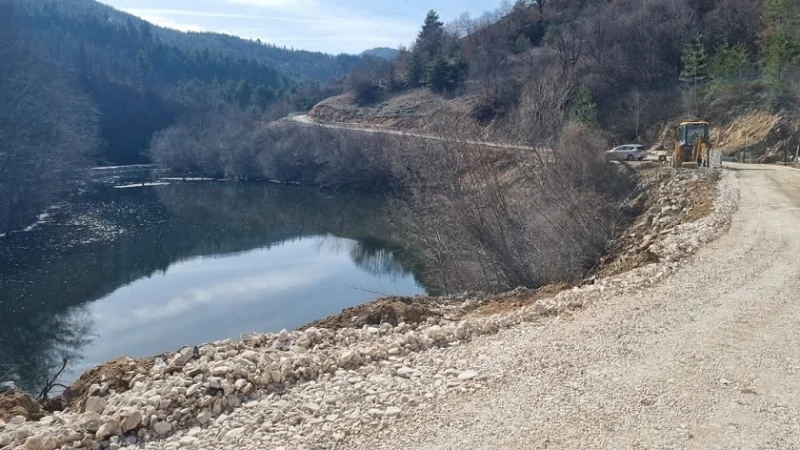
325, 385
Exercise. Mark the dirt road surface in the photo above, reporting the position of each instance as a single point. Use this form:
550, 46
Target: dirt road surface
708, 359
306, 120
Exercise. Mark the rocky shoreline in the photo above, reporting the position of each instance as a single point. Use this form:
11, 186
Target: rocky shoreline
312, 388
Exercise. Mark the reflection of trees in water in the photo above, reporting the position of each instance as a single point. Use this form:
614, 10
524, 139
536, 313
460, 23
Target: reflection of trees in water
46, 284
378, 258
374, 255
32, 344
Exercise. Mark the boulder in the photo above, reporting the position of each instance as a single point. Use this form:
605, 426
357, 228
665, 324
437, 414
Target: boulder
131, 421
162, 428
183, 356
90, 421
220, 371
108, 429
204, 417
34, 443
95, 404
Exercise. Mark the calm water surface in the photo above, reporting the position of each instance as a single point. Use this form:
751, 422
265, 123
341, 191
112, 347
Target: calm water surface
142, 271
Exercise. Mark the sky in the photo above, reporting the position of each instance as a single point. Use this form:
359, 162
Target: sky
331, 26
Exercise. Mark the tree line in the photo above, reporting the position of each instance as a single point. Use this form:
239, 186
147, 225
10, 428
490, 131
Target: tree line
631, 63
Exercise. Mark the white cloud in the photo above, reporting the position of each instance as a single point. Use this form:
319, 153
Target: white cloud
159, 17
302, 24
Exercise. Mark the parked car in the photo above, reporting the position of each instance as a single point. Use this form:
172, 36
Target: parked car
630, 152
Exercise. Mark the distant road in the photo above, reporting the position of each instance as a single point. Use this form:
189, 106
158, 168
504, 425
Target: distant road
306, 120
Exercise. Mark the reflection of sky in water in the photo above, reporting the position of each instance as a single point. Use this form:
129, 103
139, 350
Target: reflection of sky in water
211, 298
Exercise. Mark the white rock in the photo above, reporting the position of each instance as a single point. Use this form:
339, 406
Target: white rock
183, 356
408, 372
235, 433
393, 411
21, 434
162, 428
17, 420
34, 443
349, 358
284, 336
5, 439
109, 428
220, 371
204, 417
90, 421
468, 375
73, 436
250, 355
312, 407
131, 421
187, 441
193, 389
240, 384
95, 404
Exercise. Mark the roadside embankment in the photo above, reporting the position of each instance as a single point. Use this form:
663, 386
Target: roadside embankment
319, 386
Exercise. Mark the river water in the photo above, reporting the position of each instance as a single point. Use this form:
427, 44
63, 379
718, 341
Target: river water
140, 271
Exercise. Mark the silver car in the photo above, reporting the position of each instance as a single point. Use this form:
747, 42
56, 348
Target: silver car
630, 152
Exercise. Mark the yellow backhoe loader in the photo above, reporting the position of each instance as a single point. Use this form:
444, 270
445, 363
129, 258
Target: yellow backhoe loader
693, 146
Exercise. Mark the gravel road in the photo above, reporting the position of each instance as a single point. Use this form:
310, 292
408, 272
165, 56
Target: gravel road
306, 120
707, 359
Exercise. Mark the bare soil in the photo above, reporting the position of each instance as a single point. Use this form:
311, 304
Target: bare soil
115, 375
19, 404
418, 109
393, 310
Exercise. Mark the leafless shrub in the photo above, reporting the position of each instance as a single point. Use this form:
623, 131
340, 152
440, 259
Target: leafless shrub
328, 157
491, 218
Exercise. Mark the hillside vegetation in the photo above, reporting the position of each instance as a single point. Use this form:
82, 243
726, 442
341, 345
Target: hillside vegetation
84, 84
630, 65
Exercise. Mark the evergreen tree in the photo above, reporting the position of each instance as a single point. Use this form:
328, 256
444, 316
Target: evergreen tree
783, 43
243, 93
695, 64
438, 74
143, 67
416, 70
582, 108
431, 38
730, 63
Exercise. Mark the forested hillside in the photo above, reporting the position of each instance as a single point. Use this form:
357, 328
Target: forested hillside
137, 73
84, 84
627, 64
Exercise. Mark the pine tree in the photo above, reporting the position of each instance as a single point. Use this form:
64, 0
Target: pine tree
582, 108
143, 66
731, 63
782, 41
695, 64
416, 70
431, 38
439, 74
243, 93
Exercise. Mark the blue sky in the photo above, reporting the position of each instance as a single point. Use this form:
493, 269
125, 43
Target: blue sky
332, 26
